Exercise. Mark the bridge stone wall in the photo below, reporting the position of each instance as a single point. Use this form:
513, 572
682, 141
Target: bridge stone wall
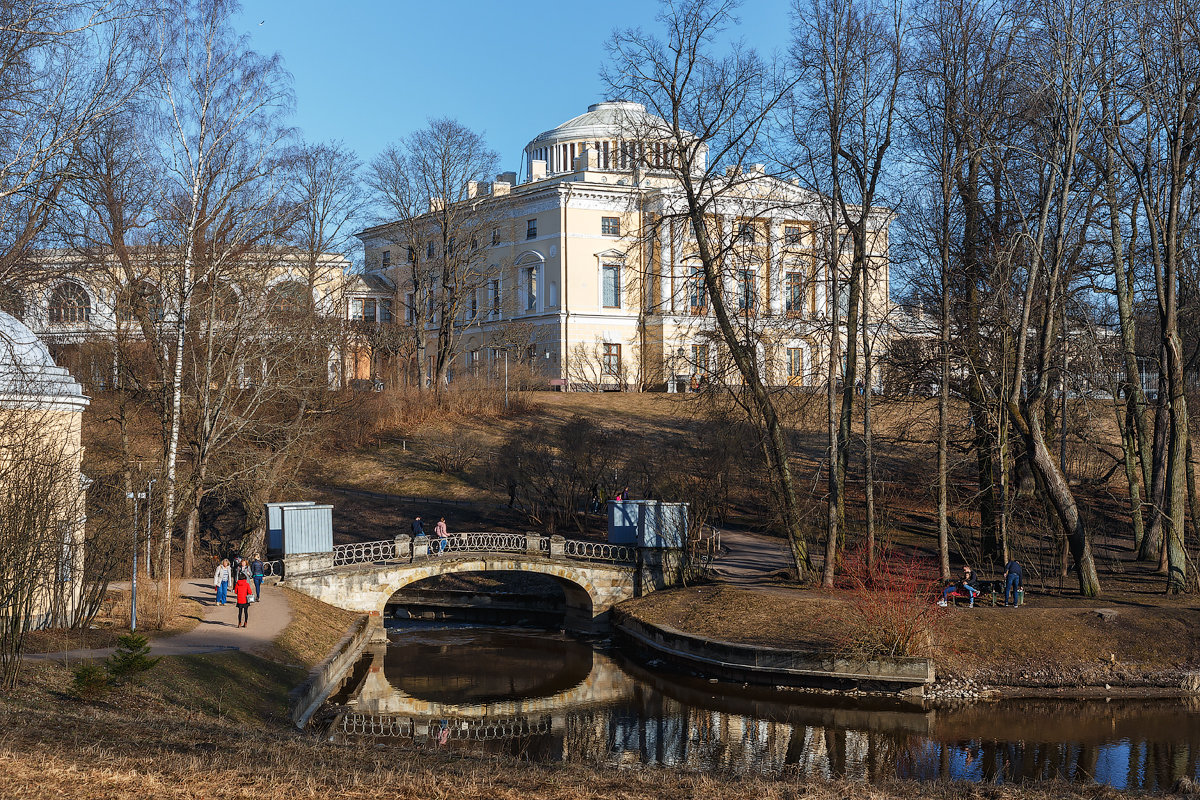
591, 589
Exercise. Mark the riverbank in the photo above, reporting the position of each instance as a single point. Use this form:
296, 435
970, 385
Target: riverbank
216, 726
1054, 646
141, 743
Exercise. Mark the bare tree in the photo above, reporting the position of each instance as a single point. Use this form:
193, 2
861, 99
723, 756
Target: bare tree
442, 227
714, 110
221, 106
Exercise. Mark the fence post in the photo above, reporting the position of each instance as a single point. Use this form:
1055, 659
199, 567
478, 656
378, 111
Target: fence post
558, 545
533, 542
420, 547
403, 547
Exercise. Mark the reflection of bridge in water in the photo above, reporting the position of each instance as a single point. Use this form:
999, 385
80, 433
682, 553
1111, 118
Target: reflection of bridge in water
606, 714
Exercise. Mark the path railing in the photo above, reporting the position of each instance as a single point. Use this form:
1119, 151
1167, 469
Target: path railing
364, 552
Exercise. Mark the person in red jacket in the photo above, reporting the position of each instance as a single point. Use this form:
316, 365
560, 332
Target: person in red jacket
241, 591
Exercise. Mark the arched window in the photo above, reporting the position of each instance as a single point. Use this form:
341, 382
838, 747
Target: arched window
288, 299
69, 303
223, 304
140, 295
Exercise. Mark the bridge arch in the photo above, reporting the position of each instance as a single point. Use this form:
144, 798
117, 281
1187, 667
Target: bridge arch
582, 596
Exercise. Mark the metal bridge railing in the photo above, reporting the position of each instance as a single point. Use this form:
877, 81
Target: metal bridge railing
364, 552
386, 549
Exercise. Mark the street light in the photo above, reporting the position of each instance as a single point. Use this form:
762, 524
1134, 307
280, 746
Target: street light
134, 496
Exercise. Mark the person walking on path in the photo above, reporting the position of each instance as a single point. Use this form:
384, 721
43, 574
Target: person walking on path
1012, 580
221, 581
417, 528
257, 569
443, 536
241, 591
244, 570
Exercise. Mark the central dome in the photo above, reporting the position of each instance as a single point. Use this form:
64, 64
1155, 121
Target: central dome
619, 134
609, 119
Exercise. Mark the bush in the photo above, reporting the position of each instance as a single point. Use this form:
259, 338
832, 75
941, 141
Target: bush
131, 658
890, 610
90, 682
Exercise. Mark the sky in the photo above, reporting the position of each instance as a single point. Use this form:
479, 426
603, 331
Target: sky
368, 72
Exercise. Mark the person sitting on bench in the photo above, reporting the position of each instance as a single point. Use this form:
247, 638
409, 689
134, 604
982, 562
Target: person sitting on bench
963, 588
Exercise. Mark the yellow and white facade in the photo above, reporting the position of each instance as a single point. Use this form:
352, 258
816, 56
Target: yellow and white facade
596, 267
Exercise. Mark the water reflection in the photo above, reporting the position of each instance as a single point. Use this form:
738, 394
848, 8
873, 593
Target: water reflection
544, 697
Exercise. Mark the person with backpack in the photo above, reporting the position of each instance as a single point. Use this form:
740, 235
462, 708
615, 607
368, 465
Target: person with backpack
221, 581
257, 570
241, 591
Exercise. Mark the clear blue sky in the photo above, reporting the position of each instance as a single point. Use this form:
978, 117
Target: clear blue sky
368, 72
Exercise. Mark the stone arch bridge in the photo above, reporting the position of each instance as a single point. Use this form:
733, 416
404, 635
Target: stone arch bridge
594, 576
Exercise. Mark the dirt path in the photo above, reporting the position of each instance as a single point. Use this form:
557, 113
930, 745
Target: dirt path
749, 559
216, 630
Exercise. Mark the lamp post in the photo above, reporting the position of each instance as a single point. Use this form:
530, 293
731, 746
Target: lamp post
134, 496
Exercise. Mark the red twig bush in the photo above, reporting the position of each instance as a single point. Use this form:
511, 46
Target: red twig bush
889, 610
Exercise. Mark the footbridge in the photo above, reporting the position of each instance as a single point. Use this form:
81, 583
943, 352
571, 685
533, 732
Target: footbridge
594, 576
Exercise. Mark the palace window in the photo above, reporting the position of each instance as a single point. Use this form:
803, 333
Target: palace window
700, 359
794, 293
531, 288
387, 258
611, 359
697, 298
410, 309
531, 229
496, 298
70, 303
288, 299
495, 236
127, 303
363, 310
611, 280
610, 226
385, 310
473, 306
747, 296
791, 234
745, 233
795, 366
429, 250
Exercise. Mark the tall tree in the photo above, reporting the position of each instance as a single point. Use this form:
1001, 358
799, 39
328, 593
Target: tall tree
442, 227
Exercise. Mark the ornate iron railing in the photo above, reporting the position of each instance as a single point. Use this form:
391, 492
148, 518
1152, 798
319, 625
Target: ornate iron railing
481, 543
364, 552
356, 724
385, 549
600, 551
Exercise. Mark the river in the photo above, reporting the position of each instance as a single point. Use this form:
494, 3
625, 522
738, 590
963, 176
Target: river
550, 697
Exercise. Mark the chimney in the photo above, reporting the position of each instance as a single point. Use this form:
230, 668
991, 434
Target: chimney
588, 159
537, 169
507, 177
435, 204
472, 189
501, 188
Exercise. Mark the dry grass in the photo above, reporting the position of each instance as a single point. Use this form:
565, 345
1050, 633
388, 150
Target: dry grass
1064, 644
314, 629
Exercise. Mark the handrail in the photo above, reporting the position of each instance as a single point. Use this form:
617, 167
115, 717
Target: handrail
385, 550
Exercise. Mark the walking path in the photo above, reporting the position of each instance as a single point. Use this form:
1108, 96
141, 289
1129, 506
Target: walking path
217, 629
749, 558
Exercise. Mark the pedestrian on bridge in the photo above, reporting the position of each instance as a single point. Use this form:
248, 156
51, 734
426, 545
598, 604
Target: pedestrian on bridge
443, 536
418, 529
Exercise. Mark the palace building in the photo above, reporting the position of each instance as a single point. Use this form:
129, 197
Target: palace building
590, 272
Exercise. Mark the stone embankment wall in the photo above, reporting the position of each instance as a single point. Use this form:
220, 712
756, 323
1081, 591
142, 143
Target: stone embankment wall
770, 665
326, 677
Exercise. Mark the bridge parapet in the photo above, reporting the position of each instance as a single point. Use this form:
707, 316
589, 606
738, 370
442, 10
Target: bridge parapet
406, 549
